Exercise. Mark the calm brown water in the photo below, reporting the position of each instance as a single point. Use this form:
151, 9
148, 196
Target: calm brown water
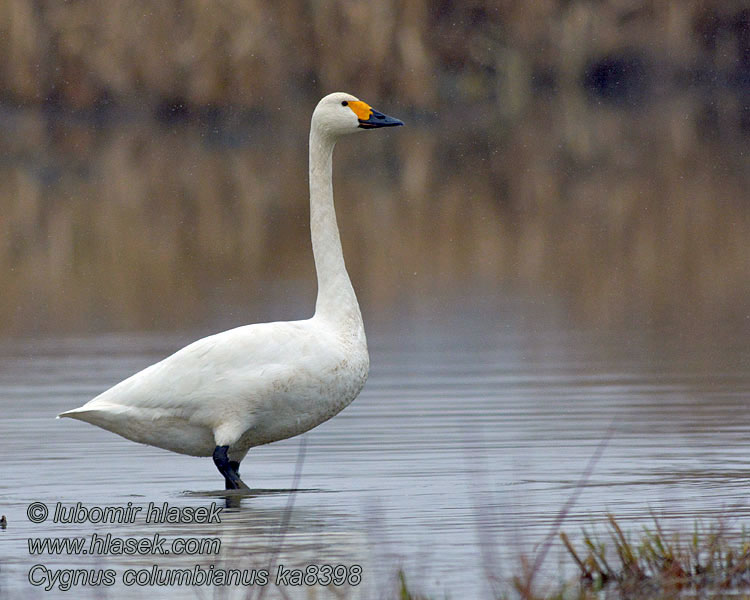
472, 432
629, 216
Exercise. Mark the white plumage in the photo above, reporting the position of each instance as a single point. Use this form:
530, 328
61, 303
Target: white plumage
266, 382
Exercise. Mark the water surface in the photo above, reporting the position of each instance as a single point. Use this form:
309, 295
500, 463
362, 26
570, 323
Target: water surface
473, 430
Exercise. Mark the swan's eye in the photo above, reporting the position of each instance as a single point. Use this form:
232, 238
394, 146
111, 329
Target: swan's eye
344, 103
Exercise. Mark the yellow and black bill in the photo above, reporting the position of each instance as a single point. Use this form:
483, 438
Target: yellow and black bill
378, 119
369, 118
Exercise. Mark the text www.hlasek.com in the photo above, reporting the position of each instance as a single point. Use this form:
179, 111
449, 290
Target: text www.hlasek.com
110, 545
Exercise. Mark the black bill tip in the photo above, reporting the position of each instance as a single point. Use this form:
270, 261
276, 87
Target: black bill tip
378, 119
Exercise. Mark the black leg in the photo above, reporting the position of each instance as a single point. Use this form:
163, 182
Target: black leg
228, 469
236, 466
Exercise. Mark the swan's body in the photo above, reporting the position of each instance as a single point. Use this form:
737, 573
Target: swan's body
240, 388
260, 383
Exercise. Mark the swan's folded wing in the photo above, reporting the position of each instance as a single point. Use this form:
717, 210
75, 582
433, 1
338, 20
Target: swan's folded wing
226, 369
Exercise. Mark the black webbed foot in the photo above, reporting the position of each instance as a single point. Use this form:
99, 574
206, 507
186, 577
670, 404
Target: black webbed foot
229, 469
228, 485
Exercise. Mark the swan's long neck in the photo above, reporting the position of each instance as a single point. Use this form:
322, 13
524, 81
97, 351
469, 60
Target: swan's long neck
336, 299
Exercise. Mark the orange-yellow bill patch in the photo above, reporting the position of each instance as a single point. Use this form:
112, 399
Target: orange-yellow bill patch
361, 109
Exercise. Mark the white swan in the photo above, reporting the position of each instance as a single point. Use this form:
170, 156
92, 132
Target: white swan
256, 384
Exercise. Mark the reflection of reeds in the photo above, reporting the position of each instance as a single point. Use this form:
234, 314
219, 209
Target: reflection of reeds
630, 217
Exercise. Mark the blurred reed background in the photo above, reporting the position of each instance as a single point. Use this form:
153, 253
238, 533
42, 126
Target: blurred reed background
591, 154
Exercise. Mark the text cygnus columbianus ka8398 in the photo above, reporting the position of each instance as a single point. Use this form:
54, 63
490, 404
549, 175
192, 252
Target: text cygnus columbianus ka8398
256, 384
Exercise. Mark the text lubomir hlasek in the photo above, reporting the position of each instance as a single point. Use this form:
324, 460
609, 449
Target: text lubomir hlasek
78, 513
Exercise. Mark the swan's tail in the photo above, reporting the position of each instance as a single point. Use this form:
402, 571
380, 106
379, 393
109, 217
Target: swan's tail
169, 432
94, 412
76, 413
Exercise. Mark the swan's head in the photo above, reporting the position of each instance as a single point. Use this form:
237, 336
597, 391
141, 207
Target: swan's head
341, 113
